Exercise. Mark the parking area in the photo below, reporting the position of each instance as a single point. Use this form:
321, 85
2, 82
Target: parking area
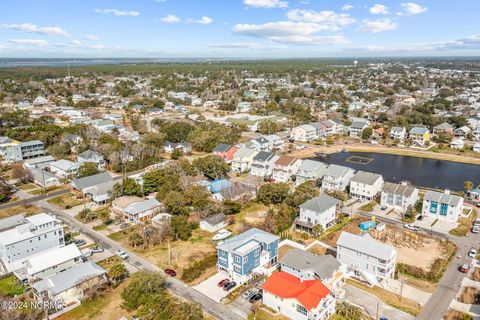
210, 287
442, 227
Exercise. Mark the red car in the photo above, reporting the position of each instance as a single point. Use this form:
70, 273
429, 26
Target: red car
464, 268
170, 272
223, 282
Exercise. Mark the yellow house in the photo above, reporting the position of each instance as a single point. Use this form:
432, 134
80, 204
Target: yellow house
420, 135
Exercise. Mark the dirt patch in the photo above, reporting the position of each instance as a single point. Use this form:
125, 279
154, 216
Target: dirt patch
417, 283
318, 250
470, 295
412, 248
253, 214
27, 210
456, 315
475, 275
283, 250
331, 235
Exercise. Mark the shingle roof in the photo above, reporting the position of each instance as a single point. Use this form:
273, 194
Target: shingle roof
222, 147
451, 200
366, 177
322, 266
398, 189
263, 156
320, 204
365, 244
418, 130
336, 170
91, 181
249, 235
68, 279
312, 165
215, 219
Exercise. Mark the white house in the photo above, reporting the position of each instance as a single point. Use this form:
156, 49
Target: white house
304, 133
64, 168
443, 206
243, 159
337, 177
214, 222
357, 127
365, 185
135, 209
92, 156
457, 144
399, 133
296, 298
321, 210
398, 196
310, 170
40, 232
284, 168
262, 164
366, 258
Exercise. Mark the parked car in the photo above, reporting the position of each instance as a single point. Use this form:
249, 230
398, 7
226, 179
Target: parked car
411, 227
478, 204
420, 218
229, 286
464, 268
476, 222
86, 252
223, 282
248, 294
124, 226
170, 272
80, 242
472, 253
97, 249
475, 229
122, 254
383, 208
255, 298
346, 214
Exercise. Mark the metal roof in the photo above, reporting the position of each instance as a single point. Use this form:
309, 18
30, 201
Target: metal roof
366, 244
322, 266
320, 204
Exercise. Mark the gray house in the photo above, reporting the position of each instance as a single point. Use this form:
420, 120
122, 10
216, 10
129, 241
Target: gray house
310, 170
320, 210
262, 164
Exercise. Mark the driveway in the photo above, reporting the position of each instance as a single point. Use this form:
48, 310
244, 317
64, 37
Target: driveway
210, 287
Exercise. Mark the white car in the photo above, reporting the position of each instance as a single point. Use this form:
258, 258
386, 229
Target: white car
475, 229
122, 254
411, 227
472, 253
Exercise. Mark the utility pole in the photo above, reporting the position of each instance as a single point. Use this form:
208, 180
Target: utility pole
401, 290
378, 302
169, 254
43, 180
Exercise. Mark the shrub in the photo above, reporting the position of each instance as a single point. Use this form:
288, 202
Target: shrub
198, 267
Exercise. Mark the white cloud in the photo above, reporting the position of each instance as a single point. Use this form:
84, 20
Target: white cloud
170, 18
28, 27
471, 42
347, 7
379, 25
327, 20
118, 13
378, 9
412, 8
266, 3
29, 42
203, 20
300, 33
92, 37
74, 43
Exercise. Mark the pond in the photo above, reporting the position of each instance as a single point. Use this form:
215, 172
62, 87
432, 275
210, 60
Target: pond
431, 173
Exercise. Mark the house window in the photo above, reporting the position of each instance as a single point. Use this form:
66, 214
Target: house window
237, 259
257, 253
245, 259
236, 269
301, 309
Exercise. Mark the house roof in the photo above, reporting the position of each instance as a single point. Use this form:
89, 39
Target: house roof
141, 206
254, 234
219, 185
64, 164
91, 181
222, 147
12, 221
365, 177
320, 204
335, 170
243, 153
397, 129
215, 219
309, 292
443, 126
42, 175
285, 160
418, 130
89, 154
263, 156
312, 165
398, 189
52, 258
70, 278
366, 244
323, 266
450, 199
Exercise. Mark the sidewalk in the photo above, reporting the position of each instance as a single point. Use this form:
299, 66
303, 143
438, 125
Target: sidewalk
408, 292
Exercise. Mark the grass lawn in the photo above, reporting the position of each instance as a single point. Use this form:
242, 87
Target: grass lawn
369, 206
10, 287
28, 186
330, 236
65, 201
464, 225
108, 305
252, 213
39, 191
389, 298
27, 210
262, 314
117, 236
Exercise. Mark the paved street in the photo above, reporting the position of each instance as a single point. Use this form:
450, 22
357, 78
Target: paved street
368, 303
179, 288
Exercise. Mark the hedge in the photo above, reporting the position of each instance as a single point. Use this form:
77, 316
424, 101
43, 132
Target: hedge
198, 267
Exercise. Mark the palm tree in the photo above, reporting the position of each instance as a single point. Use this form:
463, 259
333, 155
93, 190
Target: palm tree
468, 185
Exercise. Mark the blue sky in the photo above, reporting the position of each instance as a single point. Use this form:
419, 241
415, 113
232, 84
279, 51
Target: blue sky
238, 28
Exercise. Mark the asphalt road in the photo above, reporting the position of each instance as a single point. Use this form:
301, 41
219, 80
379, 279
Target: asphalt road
179, 288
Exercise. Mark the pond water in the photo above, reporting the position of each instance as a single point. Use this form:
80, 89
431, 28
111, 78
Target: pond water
431, 173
